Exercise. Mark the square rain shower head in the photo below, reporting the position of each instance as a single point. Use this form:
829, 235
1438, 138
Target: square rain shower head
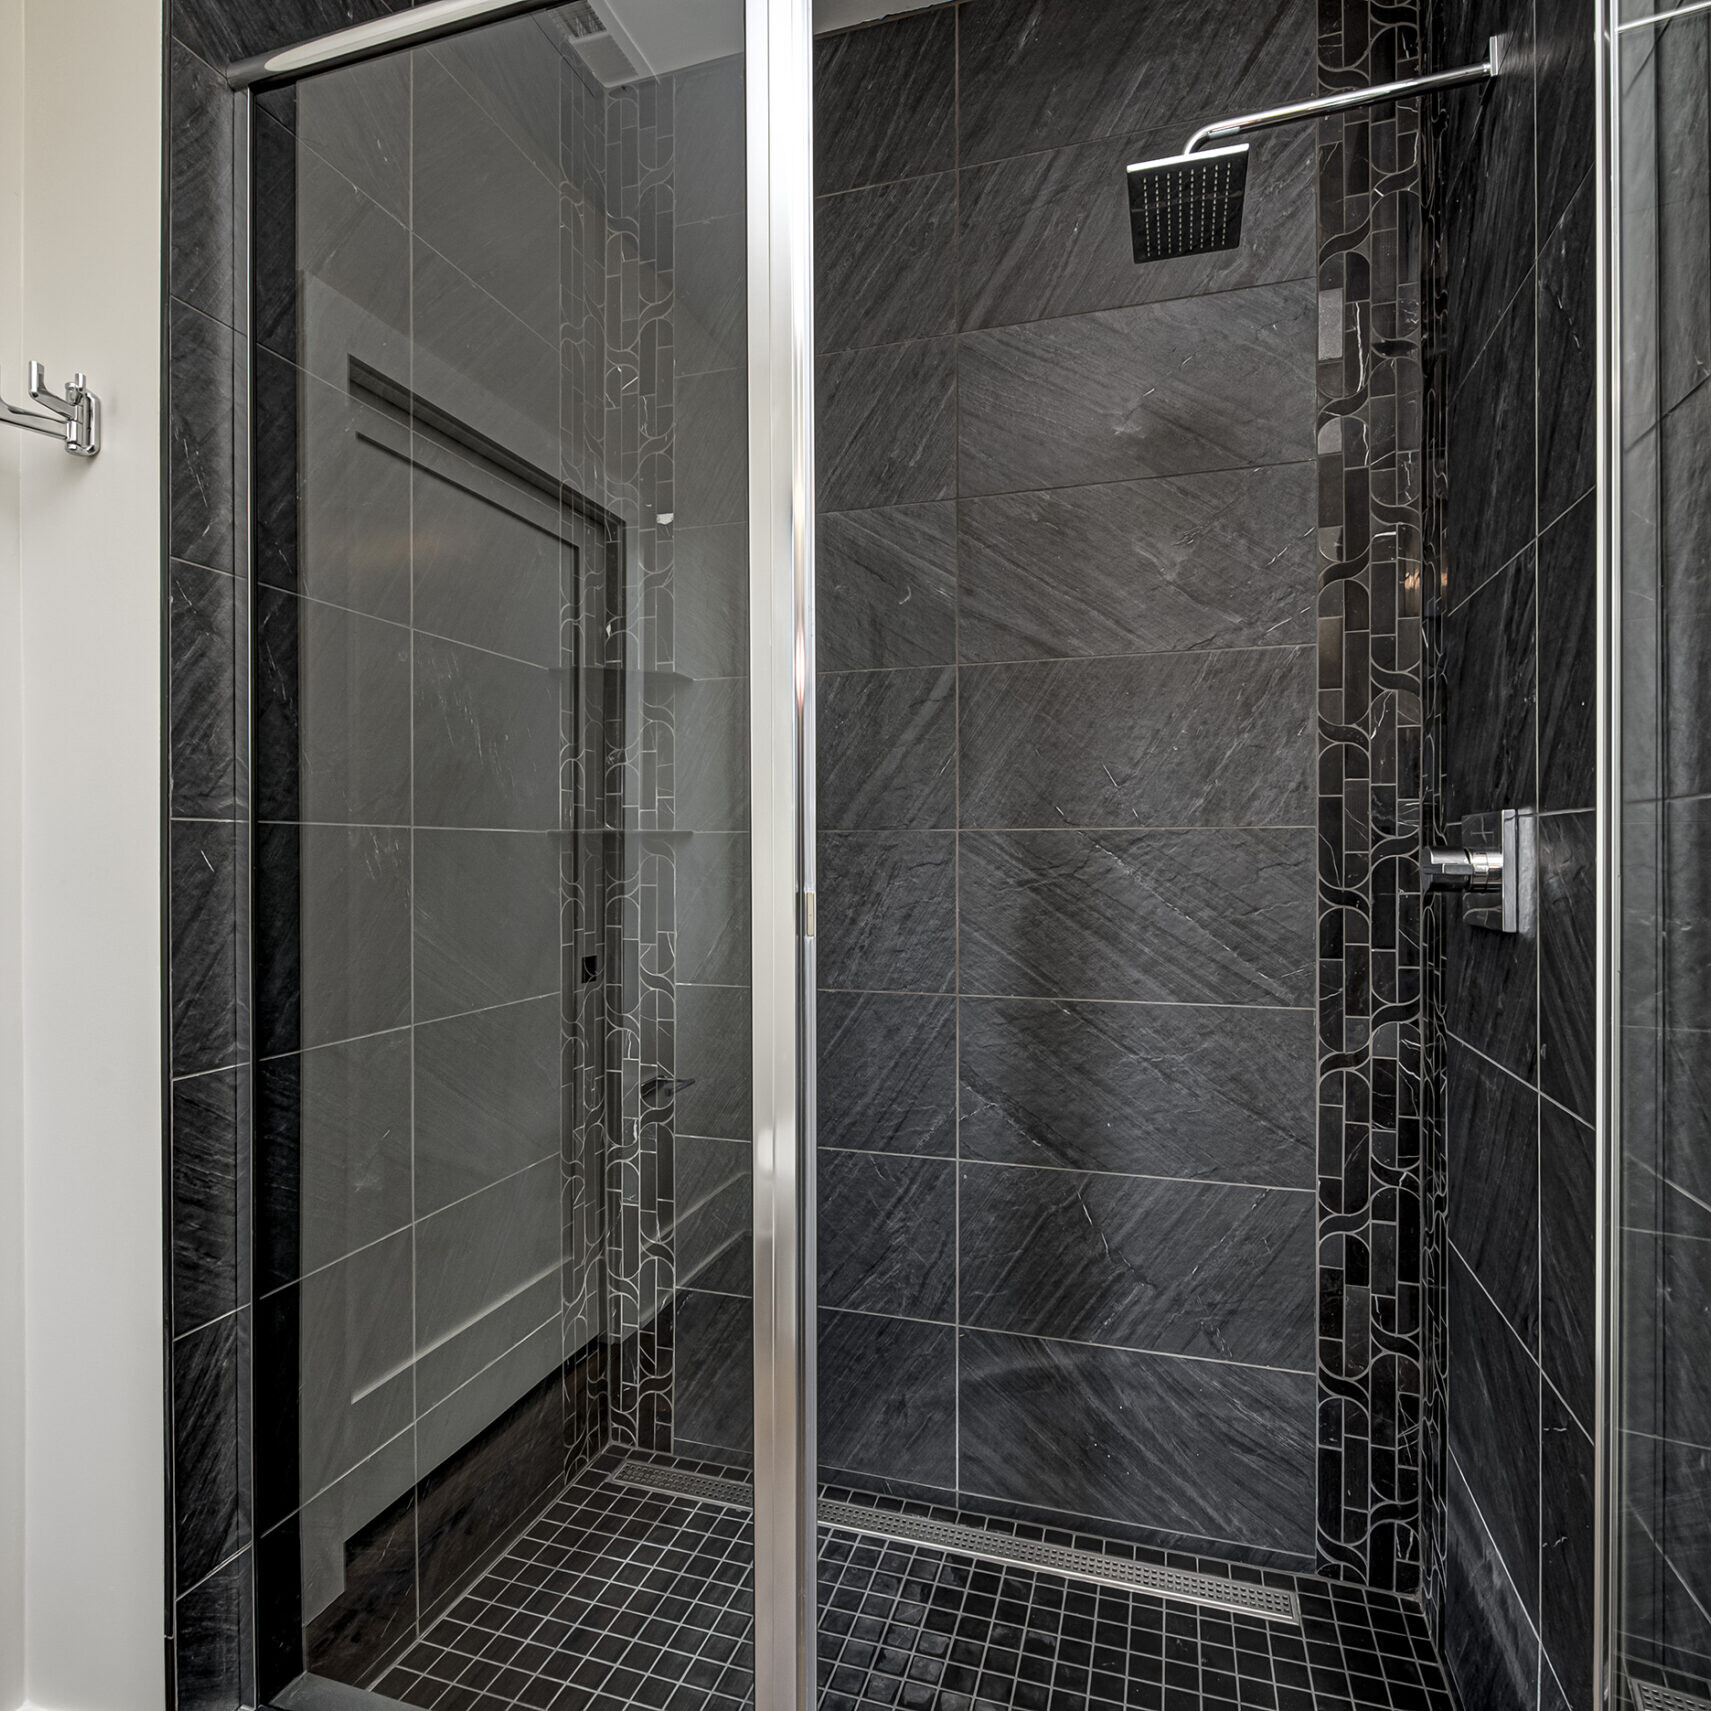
1188, 204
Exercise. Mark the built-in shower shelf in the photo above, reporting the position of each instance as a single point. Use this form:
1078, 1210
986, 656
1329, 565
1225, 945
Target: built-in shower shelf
1269, 1603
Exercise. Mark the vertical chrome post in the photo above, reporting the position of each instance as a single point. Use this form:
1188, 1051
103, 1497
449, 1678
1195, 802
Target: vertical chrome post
781, 500
1606, 1522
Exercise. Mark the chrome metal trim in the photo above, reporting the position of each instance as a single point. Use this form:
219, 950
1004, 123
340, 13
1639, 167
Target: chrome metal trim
1686, 11
1345, 99
781, 496
382, 35
1606, 1530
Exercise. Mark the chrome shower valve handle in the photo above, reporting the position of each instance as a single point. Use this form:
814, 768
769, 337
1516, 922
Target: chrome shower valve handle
75, 419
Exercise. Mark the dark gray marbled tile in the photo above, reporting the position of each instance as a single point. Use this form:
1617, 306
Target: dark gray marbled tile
1221, 1452
1568, 357
1568, 902
1566, 97
486, 740
1491, 1648
1671, 1500
711, 471
479, 199
1220, 917
711, 876
709, 723
886, 591
1494, 1426
1491, 453
887, 749
487, 1098
1160, 389
1047, 234
887, 425
887, 1073
885, 262
713, 1192
1158, 1090
709, 301
486, 564
1566, 1619
209, 883
1567, 1305
888, 1235
1567, 659
487, 919
1685, 447
1667, 1311
221, 32
210, 1132
357, 118
715, 1063
885, 101
1684, 1154
332, 716
201, 382
1184, 739
1217, 560
210, 645
1174, 1267
201, 229
709, 134
1687, 913
888, 1400
209, 1522
1039, 73
1490, 696
333, 1153
332, 934
213, 1640
374, 1611
710, 596
712, 1375
1491, 991
1492, 1168
887, 911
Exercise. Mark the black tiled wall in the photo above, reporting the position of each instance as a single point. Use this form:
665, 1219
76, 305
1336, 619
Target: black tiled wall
1067, 571
1510, 567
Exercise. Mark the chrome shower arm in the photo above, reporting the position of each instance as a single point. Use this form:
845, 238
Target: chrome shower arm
1346, 99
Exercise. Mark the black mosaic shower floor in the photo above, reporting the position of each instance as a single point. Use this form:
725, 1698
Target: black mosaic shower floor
618, 1597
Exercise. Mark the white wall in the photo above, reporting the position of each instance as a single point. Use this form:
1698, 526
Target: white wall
91, 958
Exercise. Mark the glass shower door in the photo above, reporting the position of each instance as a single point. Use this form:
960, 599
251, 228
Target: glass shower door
505, 860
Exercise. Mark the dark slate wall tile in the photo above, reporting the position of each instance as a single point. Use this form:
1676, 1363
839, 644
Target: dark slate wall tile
887, 425
210, 1118
201, 357
1567, 1308
209, 1523
1163, 389
1489, 696
713, 918
1568, 659
376, 1608
1494, 1427
1492, 1169
213, 1639
1491, 1648
712, 1397
887, 1390
1566, 1620
1216, 739
888, 1235
1224, 559
1685, 445
1491, 993
886, 749
885, 101
1047, 233
1568, 339
1202, 917
1222, 1094
1177, 1268
222, 32
1566, 95
1568, 885
887, 911
1220, 1452
886, 587
1041, 73
1687, 920
209, 639
715, 1063
202, 226
885, 263
209, 884
887, 1073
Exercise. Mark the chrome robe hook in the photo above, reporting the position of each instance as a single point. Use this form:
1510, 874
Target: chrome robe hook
75, 418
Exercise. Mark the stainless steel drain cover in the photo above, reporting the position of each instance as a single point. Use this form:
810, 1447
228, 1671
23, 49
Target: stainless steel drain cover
1650, 1697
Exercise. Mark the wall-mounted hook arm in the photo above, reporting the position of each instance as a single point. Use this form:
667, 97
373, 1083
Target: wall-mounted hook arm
74, 419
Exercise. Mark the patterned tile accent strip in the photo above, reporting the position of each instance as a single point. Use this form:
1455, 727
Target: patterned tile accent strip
1370, 746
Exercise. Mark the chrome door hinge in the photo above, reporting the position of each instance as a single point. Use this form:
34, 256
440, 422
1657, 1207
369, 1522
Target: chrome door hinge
75, 418
807, 914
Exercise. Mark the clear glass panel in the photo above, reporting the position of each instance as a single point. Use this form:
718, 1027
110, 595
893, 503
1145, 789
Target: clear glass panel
1664, 1394
502, 866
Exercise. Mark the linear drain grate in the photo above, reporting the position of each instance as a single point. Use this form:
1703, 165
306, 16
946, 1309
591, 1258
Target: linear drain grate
1650, 1697
1271, 1603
